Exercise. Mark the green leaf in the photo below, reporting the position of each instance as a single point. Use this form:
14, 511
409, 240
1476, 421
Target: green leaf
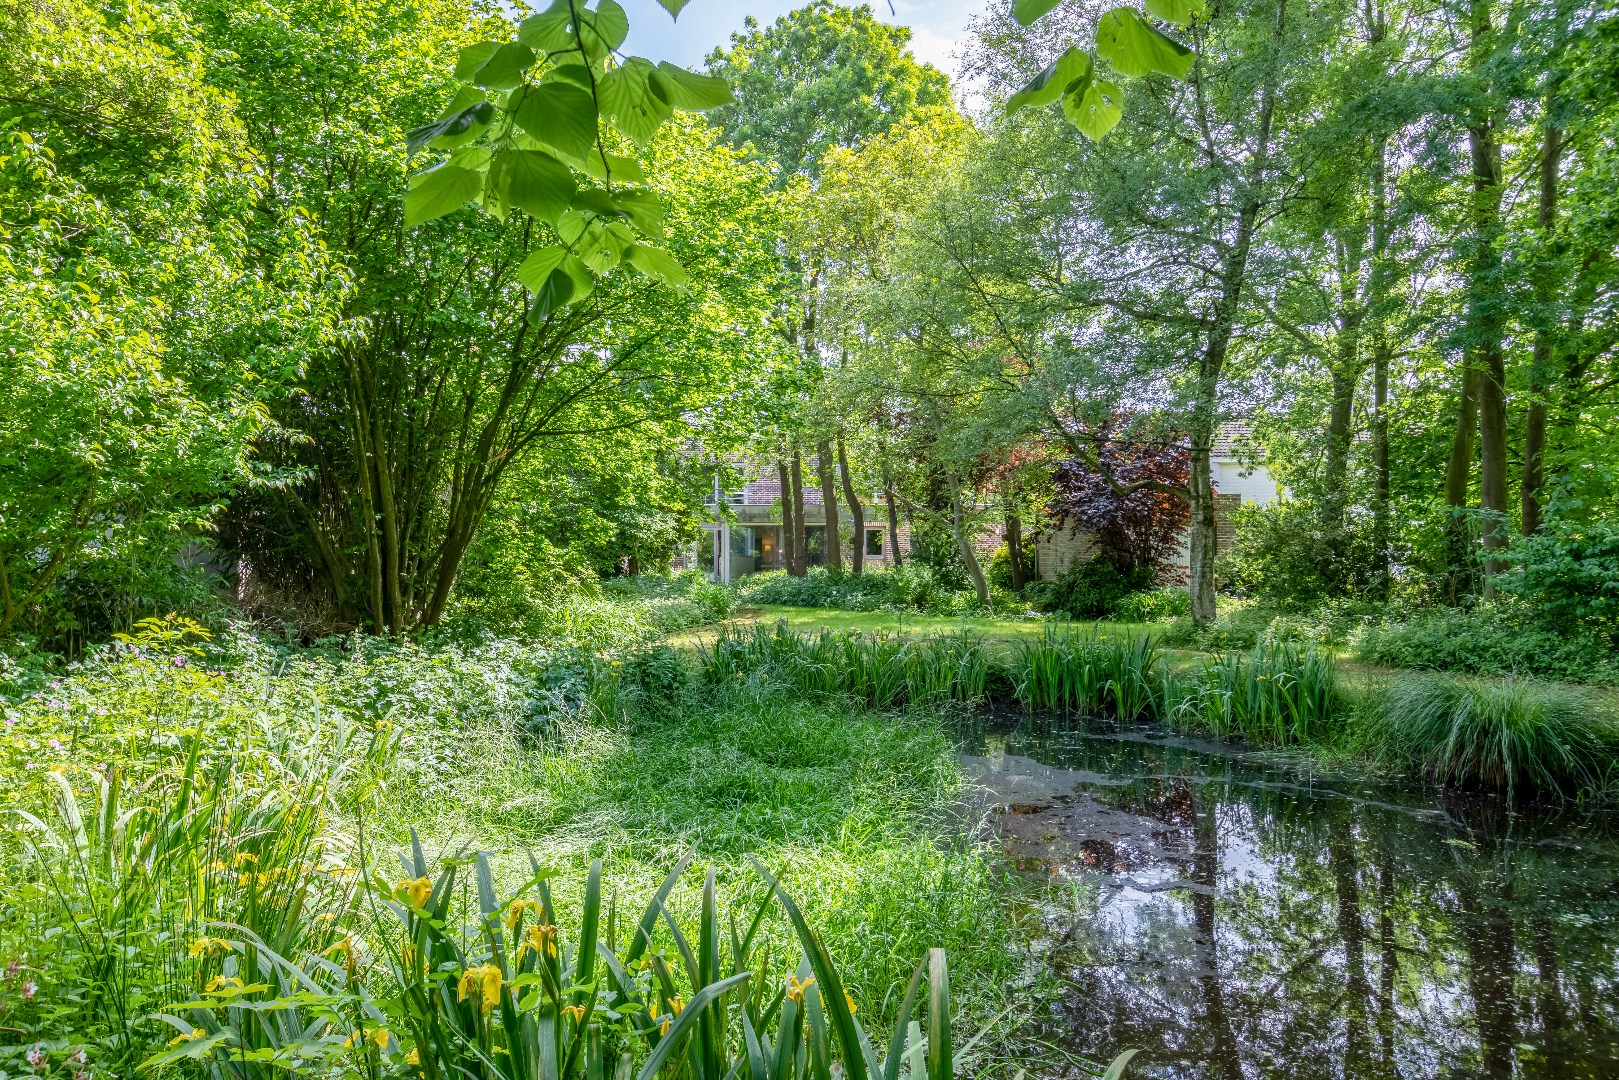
1048, 86
673, 7
548, 31
584, 281
439, 191
700, 1001
1116, 1069
1027, 11
658, 263
627, 95
693, 92
643, 209
1096, 109
1178, 11
604, 29
1133, 47
552, 295
538, 266
941, 1064
617, 167
473, 57
534, 181
560, 115
504, 70
458, 127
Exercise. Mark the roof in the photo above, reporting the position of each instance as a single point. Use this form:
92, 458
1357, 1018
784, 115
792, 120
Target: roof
1233, 438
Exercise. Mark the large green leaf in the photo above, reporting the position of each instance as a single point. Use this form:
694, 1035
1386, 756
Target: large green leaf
472, 57
1048, 86
658, 263
1178, 11
627, 95
604, 29
552, 295
703, 999
1133, 47
1027, 11
504, 69
538, 266
643, 209
534, 181
560, 115
691, 91
440, 190
459, 126
673, 7
550, 30
1094, 109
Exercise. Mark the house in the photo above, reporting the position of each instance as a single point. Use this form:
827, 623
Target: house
747, 539
1238, 474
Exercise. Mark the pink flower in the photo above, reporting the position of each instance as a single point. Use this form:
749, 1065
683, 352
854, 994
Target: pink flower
29, 989
36, 1055
178, 661
81, 1057
12, 969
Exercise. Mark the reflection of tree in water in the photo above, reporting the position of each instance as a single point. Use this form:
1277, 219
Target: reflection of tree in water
1313, 935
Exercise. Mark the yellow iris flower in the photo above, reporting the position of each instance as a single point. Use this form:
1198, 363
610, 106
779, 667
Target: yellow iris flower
485, 981
795, 989
416, 891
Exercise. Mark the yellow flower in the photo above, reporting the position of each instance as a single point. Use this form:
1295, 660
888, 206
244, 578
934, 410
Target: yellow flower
795, 989
483, 981
415, 890
576, 1012
244, 857
196, 1033
676, 1005
542, 938
219, 982
345, 946
848, 999
414, 1057
209, 945
380, 1037
515, 914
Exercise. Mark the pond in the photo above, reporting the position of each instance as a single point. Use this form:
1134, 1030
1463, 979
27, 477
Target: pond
1255, 919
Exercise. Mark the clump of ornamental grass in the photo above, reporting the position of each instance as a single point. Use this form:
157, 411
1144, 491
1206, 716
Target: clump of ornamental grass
1514, 735
879, 670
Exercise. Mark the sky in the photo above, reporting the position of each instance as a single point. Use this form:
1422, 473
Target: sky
936, 26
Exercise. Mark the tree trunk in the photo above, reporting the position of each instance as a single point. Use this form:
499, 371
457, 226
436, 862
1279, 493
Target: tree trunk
829, 503
1014, 549
857, 513
893, 514
1484, 315
800, 565
1540, 368
964, 545
1458, 534
1201, 536
789, 559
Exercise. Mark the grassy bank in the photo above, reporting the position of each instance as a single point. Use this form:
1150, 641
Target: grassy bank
268, 790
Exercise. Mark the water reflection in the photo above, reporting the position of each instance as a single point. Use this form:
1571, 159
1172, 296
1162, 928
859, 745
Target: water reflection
1255, 921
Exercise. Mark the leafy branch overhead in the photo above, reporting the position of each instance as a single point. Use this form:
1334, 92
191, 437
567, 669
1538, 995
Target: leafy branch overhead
1129, 44
546, 124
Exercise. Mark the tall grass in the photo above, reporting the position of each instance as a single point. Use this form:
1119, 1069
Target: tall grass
1278, 694
1510, 734
879, 670
1071, 670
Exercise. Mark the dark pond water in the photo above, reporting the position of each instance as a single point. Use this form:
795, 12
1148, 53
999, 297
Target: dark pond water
1253, 920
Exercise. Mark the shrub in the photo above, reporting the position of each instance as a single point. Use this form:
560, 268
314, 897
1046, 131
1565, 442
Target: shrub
1511, 734
1279, 693
1154, 605
1286, 556
1240, 624
912, 586
1493, 639
998, 572
1570, 570
1092, 589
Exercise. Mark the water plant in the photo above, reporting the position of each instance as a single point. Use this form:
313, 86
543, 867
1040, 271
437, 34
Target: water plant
879, 670
1072, 670
1278, 693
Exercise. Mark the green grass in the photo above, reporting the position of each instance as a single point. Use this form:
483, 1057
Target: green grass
809, 620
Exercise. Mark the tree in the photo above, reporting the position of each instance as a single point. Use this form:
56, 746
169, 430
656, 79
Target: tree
822, 76
145, 333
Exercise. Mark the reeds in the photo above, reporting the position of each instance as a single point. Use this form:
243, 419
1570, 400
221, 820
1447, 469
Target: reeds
1276, 694
1086, 671
879, 670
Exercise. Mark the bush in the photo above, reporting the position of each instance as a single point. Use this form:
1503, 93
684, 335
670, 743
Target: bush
1493, 639
912, 586
999, 570
1154, 605
1569, 570
1288, 558
1509, 734
1092, 589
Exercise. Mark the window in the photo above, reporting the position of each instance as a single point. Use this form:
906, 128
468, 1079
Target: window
874, 542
